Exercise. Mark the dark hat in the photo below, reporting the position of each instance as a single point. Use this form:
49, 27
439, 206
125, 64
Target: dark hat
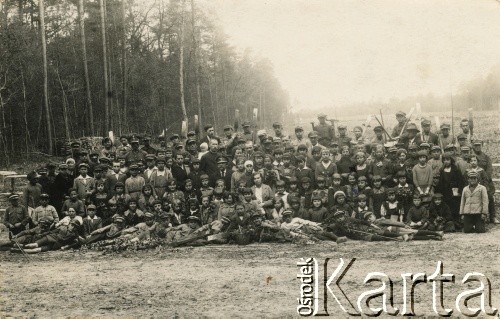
44, 196
391, 191
400, 113
472, 173
119, 184
204, 176
150, 157
412, 147
339, 213
312, 134
276, 124
316, 197
104, 160
362, 197
425, 122
221, 160
246, 124
342, 127
75, 144
133, 166
195, 161
376, 178
437, 195
268, 140
334, 143
191, 133
378, 128
194, 219
190, 141
256, 215
412, 127
424, 145
134, 140
118, 219
423, 153
321, 115
449, 147
462, 136
445, 126
94, 153
228, 127
287, 213
435, 148
83, 165
91, 206
298, 128
247, 190
305, 179
207, 127
174, 136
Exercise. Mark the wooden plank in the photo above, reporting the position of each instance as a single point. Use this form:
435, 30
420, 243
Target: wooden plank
496, 164
16, 176
5, 173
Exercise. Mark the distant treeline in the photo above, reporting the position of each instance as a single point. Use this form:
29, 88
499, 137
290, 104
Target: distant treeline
481, 93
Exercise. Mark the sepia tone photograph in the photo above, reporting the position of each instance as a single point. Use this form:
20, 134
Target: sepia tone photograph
249, 158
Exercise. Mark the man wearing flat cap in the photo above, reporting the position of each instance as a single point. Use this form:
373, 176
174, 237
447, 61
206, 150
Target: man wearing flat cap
135, 154
147, 146
426, 135
16, 216
398, 129
325, 131
209, 135
445, 137
248, 134
342, 138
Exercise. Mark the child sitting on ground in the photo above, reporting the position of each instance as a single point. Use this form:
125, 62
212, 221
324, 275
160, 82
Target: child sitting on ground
418, 214
440, 215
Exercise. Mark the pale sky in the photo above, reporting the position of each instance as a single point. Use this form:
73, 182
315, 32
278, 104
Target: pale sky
331, 52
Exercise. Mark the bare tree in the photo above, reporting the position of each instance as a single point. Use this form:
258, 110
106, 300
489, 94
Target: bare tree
105, 66
81, 17
45, 77
181, 63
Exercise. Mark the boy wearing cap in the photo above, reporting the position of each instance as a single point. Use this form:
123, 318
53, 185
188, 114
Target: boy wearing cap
325, 131
91, 222
445, 138
107, 232
134, 184
398, 129
84, 184
342, 138
44, 210
426, 135
16, 216
474, 205
135, 154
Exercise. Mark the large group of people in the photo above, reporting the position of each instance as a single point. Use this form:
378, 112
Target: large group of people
253, 186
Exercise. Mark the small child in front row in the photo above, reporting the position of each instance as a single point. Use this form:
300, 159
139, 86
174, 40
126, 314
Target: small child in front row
391, 208
378, 195
361, 208
418, 215
440, 215
317, 212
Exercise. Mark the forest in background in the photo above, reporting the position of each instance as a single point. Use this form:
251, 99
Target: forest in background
122, 65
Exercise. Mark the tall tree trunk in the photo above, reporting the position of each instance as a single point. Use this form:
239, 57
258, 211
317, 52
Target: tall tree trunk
196, 65
65, 107
45, 78
81, 16
124, 69
105, 67
181, 64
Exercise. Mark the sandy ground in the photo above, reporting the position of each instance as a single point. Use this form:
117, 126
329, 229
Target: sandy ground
258, 280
